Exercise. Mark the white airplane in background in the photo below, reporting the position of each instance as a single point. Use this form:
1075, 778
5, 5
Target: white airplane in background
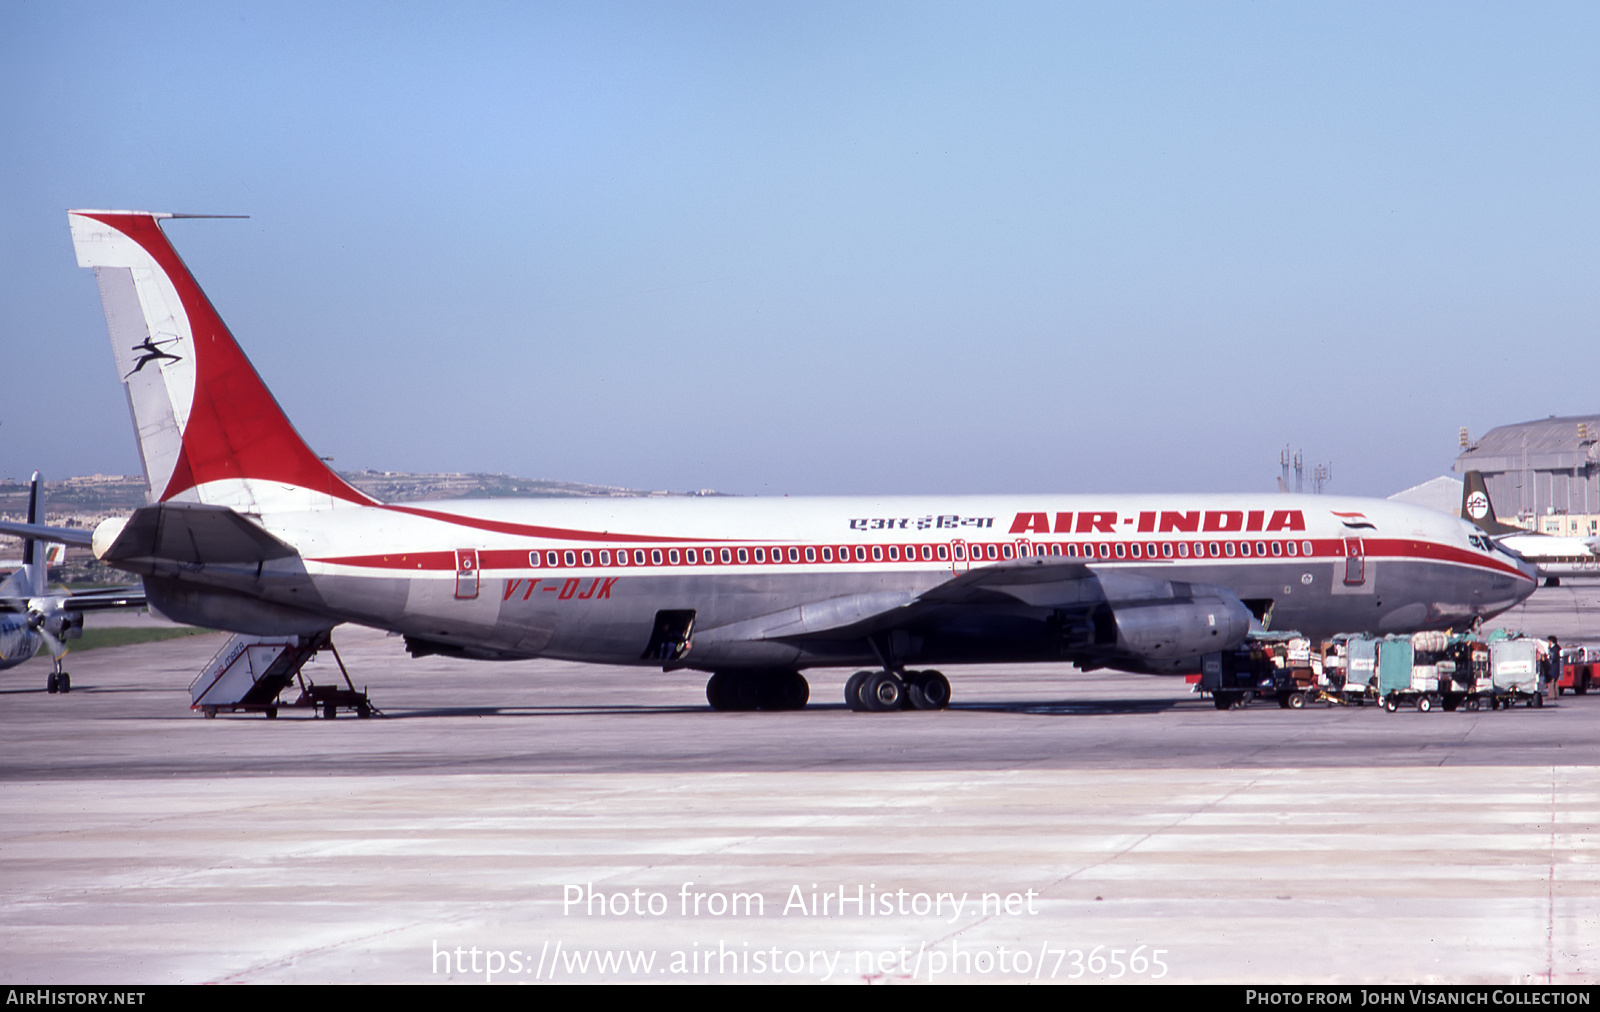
1554, 555
54, 554
249, 531
34, 616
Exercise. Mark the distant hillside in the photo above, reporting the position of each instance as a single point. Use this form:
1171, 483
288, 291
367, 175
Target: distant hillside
403, 486
96, 496
85, 501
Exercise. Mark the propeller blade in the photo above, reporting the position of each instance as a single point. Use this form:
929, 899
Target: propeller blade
57, 648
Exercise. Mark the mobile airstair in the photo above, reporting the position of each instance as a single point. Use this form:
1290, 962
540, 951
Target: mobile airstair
249, 673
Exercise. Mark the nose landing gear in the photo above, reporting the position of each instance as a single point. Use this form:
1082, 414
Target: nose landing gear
58, 680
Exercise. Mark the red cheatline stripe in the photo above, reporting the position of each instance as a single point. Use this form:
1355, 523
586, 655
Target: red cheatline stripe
1324, 550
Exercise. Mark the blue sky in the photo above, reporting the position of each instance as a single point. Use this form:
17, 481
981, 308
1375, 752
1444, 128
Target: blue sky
827, 248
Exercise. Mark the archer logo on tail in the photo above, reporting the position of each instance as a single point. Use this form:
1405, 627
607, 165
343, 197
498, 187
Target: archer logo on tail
1162, 522
150, 351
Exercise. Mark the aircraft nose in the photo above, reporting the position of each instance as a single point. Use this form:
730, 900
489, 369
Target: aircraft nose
1532, 573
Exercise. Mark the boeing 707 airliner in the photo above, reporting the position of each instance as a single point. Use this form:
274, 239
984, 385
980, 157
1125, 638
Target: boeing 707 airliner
248, 530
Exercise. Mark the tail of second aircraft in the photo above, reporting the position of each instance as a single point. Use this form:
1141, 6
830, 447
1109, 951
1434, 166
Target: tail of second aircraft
209, 431
30, 579
1476, 508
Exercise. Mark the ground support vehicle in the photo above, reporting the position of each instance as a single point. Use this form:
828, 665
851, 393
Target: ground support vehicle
249, 674
1470, 684
1360, 684
1418, 670
1519, 670
1580, 670
1249, 671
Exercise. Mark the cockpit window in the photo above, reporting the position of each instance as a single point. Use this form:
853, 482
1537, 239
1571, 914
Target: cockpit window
1503, 550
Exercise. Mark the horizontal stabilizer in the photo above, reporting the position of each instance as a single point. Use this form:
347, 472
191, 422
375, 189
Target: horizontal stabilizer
193, 533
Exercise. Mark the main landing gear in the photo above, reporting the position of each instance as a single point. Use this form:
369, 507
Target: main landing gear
881, 691
757, 690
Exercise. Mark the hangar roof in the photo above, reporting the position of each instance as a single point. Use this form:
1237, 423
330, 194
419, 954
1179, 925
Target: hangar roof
1551, 444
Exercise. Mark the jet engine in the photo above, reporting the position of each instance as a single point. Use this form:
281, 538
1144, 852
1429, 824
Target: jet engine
1172, 630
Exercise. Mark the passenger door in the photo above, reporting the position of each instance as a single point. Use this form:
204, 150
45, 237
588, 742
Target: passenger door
1355, 563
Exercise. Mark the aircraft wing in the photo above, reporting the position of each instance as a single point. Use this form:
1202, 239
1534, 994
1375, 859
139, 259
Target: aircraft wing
1046, 582
105, 599
1040, 582
80, 537
98, 599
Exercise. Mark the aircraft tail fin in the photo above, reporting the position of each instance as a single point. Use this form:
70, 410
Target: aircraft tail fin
1476, 507
33, 551
208, 429
29, 579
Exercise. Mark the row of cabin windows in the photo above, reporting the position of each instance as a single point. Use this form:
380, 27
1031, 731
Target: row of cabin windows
914, 553
1178, 549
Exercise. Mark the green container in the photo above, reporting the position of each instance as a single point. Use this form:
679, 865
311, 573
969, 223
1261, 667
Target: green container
1394, 666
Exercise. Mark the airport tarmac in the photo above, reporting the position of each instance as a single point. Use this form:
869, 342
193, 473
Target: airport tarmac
144, 844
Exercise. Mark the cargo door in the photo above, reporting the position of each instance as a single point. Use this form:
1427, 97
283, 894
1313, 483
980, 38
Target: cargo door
466, 574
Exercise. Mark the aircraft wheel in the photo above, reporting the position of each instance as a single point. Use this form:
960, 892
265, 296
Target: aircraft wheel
64, 683
928, 690
882, 691
1297, 701
1424, 704
728, 690
330, 711
784, 690
363, 711
272, 713
747, 690
852, 691
51, 684
714, 690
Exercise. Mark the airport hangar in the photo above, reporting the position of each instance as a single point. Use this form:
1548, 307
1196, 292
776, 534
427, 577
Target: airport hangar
1543, 475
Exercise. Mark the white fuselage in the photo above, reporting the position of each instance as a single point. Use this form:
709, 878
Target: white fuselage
585, 579
1555, 555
